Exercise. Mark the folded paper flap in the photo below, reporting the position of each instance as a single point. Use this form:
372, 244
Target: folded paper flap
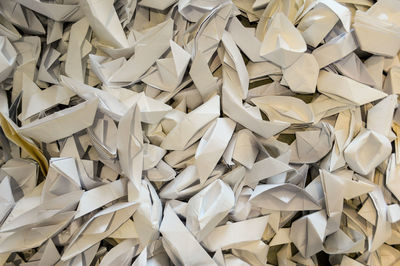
208, 207
176, 235
130, 144
277, 109
283, 43
233, 107
46, 210
335, 49
283, 196
313, 227
352, 66
257, 172
57, 12
101, 195
230, 234
147, 51
84, 241
170, 71
107, 103
313, 144
212, 146
366, 23
341, 11
47, 99
194, 121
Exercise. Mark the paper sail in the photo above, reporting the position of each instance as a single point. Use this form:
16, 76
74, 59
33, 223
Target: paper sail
110, 31
283, 43
8, 58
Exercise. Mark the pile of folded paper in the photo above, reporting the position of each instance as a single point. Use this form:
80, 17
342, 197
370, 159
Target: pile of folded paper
199, 132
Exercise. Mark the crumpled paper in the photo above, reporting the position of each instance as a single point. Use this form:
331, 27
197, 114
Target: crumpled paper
192, 132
